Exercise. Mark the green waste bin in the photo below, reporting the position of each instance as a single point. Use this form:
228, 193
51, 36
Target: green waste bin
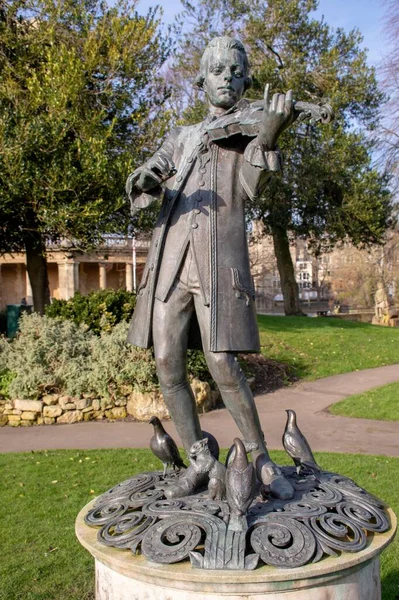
14, 312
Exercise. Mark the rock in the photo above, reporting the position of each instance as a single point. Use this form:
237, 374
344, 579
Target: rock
72, 416
29, 405
3, 420
144, 405
28, 416
39, 421
16, 412
14, 423
48, 420
204, 397
82, 403
9, 405
99, 415
119, 412
121, 402
106, 403
52, 411
50, 399
63, 400
8, 411
26, 423
69, 406
89, 409
14, 418
87, 416
96, 404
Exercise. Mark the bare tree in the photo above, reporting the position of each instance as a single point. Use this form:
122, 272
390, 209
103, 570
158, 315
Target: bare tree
390, 81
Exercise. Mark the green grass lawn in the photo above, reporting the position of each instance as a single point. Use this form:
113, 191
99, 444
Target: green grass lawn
319, 347
42, 492
379, 403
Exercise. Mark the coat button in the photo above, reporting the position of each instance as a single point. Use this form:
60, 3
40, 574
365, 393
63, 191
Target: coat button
201, 183
197, 211
179, 178
190, 160
194, 226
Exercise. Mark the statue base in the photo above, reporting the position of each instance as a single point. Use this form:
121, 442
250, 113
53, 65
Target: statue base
125, 576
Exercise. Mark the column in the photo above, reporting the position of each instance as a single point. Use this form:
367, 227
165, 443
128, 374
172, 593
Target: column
28, 294
66, 280
103, 276
19, 284
129, 277
76, 276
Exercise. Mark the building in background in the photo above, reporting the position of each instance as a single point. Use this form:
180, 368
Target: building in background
346, 276
119, 263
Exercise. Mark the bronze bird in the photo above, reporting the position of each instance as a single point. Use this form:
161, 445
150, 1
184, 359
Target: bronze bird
297, 446
240, 485
164, 447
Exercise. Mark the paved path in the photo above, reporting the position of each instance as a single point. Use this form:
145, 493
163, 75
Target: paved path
310, 400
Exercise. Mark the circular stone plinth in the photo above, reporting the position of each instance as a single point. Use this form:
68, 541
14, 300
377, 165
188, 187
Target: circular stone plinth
121, 575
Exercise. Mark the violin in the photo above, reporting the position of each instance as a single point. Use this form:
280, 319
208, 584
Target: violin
245, 120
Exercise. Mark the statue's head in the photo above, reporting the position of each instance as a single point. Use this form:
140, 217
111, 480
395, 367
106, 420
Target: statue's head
224, 72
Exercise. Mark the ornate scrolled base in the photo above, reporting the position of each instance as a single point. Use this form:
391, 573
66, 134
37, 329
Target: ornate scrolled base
324, 544
124, 576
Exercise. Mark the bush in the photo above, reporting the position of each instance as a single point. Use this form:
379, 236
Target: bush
6, 378
47, 355
99, 311
55, 355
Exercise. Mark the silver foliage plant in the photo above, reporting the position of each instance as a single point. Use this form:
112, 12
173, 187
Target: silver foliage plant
54, 355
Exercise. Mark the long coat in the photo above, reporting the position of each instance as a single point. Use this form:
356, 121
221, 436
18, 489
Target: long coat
205, 187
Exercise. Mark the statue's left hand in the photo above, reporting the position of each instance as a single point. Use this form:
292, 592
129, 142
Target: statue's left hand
278, 114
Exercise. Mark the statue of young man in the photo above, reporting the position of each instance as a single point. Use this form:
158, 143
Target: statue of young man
197, 277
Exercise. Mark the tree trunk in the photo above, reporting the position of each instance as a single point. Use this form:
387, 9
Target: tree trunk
289, 286
36, 265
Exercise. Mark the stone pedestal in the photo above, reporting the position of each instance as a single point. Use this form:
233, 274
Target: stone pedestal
120, 575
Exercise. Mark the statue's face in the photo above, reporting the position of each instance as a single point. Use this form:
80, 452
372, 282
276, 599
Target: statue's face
225, 78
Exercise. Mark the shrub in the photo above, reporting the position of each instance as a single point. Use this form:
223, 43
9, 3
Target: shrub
47, 355
99, 311
56, 355
6, 378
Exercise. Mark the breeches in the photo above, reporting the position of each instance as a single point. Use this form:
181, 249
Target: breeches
171, 325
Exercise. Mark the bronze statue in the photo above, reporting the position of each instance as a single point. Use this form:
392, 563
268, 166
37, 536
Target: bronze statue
197, 289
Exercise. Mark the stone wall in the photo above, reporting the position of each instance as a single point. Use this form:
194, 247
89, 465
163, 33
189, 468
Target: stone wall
56, 408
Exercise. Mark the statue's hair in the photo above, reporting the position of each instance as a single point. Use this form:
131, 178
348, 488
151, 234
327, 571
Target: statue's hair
227, 43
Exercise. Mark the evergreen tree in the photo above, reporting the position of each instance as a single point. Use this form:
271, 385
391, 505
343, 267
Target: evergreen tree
81, 103
329, 190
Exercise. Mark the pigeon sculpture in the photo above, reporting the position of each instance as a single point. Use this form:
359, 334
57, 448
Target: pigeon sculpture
240, 486
297, 446
164, 447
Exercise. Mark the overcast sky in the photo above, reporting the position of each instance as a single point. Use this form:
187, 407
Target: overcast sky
366, 15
